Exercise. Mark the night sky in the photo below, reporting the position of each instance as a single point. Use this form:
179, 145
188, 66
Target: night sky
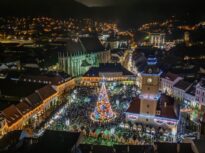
132, 9
94, 3
101, 3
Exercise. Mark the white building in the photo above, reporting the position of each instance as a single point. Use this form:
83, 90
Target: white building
180, 88
189, 96
168, 81
200, 92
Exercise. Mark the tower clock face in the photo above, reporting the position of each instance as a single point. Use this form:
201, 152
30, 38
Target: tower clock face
149, 80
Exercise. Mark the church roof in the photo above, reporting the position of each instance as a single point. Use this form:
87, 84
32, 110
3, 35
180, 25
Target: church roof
74, 47
92, 44
82, 46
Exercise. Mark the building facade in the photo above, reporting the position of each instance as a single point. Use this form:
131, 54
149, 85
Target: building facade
200, 92
168, 81
157, 40
38, 93
180, 88
28, 110
81, 54
151, 107
111, 72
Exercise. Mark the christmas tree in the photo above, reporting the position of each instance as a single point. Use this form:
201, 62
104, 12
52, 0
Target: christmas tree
103, 111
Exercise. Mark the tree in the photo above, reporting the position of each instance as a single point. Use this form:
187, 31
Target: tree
103, 111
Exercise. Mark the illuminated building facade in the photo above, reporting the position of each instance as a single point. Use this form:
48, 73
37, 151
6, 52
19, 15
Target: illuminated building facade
151, 107
180, 88
118, 42
200, 92
168, 80
81, 54
44, 92
28, 110
186, 37
157, 40
189, 96
110, 72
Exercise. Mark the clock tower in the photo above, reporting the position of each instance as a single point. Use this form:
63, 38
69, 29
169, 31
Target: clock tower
150, 87
151, 106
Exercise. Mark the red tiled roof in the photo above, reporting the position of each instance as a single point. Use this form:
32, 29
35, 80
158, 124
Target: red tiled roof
34, 99
134, 106
170, 109
46, 92
168, 112
23, 107
12, 114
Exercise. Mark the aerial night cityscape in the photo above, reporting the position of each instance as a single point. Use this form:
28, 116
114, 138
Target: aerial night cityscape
102, 76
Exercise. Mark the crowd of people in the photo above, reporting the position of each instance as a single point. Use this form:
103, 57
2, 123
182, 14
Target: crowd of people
118, 131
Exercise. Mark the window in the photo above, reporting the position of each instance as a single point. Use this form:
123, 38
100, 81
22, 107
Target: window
147, 105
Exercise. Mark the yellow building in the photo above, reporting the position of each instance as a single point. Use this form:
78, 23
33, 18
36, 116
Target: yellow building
111, 72
31, 108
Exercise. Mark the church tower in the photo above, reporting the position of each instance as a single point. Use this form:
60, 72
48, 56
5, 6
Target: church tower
150, 87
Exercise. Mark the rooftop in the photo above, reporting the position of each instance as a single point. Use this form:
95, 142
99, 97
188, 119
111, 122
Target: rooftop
183, 85
12, 114
18, 89
107, 68
55, 142
170, 76
92, 44
202, 82
191, 90
134, 106
53, 78
167, 107
83, 45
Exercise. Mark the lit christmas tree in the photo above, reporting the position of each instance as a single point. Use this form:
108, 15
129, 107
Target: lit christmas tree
103, 111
